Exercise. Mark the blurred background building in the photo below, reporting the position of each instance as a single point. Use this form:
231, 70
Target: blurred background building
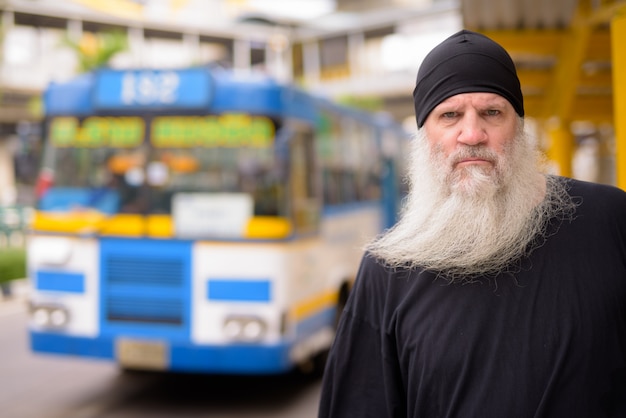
365, 52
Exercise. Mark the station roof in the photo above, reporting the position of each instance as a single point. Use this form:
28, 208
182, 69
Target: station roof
562, 49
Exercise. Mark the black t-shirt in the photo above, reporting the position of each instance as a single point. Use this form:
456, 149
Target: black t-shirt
546, 341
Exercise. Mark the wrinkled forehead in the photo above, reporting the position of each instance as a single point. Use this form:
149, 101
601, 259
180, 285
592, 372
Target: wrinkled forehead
478, 100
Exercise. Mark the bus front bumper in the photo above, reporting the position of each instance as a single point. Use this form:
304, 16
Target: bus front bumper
170, 356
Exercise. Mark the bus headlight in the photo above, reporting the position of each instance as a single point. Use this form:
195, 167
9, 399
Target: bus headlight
49, 316
58, 317
245, 328
40, 316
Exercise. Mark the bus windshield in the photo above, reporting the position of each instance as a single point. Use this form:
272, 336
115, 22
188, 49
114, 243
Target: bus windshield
139, 166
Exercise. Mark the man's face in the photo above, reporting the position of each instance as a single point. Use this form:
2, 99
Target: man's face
471, 133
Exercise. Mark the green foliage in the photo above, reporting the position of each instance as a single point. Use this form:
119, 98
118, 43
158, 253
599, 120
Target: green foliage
96, 50
12, 264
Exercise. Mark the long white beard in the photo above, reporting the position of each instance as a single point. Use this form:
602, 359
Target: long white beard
472, 221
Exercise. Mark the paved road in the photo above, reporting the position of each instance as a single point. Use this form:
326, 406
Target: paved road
42, 386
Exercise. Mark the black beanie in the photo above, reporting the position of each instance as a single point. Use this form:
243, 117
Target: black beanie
466, 62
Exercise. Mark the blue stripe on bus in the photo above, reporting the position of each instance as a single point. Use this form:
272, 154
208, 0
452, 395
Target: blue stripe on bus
56, 343
233, 358
60, 281
239, 290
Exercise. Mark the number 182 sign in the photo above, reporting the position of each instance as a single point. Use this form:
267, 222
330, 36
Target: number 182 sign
189, 88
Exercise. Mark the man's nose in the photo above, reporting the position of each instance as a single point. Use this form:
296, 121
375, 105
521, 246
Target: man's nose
473, 131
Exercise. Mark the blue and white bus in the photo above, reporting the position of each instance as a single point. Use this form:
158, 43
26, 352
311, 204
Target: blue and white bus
197, 220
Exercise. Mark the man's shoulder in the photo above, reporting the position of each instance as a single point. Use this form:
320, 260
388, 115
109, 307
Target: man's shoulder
601, 201
375, 277
371, 264
580, 187
372, 269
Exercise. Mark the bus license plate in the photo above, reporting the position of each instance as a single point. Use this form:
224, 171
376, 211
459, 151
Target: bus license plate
137, 354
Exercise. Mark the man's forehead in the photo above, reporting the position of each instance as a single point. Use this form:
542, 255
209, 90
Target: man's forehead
475, 99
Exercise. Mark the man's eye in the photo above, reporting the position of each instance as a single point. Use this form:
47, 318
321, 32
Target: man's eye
448, 115
493, 112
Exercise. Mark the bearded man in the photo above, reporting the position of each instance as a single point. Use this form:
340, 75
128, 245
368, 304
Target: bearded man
501, 291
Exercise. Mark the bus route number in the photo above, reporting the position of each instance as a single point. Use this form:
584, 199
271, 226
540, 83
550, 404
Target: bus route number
150, 88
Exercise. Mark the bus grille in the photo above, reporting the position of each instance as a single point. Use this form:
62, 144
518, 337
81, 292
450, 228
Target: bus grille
145, 272
138, 310
145, 285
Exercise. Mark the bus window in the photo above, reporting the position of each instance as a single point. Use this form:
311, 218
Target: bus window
144, 175
349, 159
303, 183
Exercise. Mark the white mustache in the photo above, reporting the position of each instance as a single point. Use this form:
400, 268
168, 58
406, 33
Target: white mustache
477, 152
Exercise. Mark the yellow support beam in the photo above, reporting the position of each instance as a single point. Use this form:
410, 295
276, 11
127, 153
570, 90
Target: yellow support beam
560, 147
618, 34
563, 87
562, 99
606, 13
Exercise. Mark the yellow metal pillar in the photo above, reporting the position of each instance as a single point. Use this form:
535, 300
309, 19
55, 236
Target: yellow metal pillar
561, 93
618, 52
560, 147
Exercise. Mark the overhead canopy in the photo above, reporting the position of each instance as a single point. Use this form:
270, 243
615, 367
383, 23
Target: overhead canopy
562, 49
